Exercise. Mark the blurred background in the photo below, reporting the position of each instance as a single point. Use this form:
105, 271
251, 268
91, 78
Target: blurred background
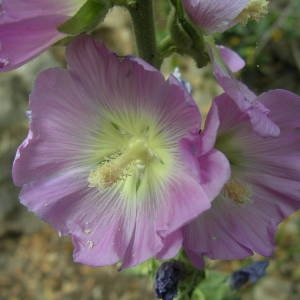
36, 263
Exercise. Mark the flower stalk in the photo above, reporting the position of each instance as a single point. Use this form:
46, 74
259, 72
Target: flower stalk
142, 15
186, 37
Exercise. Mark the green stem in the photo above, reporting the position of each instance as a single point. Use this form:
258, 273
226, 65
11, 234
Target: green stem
166, 47
142, 15
187, 38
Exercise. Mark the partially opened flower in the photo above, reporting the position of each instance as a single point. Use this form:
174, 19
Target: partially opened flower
102, 159
29, 27
218, 15
264, 184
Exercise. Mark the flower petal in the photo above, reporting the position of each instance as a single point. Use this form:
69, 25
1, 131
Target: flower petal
61, 127
172, 245
16, 10
214, 15
35, 35
244, 98
211, 169
139, 80
233, 61
32, 24
159, 232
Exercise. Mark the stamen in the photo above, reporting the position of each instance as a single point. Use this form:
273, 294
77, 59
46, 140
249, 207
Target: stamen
255, 10
238, 192
136, 156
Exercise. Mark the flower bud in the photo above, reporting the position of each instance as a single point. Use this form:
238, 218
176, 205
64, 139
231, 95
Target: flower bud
167, 278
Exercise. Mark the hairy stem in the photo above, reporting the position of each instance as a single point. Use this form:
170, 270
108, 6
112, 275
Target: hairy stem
142, 15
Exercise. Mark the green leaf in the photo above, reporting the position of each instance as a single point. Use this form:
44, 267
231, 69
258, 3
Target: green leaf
148, 267
215, 287
89, 15
198, 295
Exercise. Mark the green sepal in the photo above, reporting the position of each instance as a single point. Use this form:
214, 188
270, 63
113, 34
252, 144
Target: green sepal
147, 268
187, 38
64, 41
88, 16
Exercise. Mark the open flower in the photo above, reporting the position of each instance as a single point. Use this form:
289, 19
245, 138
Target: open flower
218, 15
102, 159
29, 27
264, 184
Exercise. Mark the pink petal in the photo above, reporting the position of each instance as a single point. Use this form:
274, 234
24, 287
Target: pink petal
275, 100
25, 39
214, 172
60, 129
214, 15
29, 27
16, 10
244, 98
211, 169
233, 61
229, 231
172, 245
139, 80
183, 201
209, 133
189, 99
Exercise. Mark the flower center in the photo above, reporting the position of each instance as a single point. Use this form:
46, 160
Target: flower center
255, 10
237, 191
135, 158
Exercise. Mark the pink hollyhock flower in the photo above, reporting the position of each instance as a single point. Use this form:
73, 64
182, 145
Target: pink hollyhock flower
29, 27
264, 184
226, 61
102, 160
219, 15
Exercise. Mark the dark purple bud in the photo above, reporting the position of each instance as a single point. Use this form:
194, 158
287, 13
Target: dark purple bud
167, 278
248, 274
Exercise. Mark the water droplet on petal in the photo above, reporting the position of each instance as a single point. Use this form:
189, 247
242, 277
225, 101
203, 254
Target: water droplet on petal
4, 62
87, 231
90, 244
